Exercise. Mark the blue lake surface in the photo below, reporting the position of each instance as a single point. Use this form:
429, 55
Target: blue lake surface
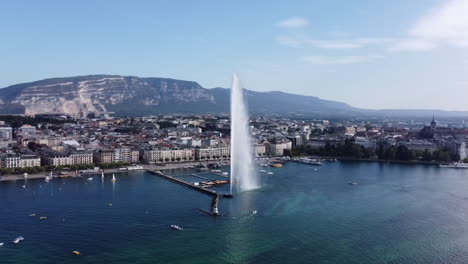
396, 214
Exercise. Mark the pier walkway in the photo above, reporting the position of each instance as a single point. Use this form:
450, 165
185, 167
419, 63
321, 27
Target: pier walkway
216, 196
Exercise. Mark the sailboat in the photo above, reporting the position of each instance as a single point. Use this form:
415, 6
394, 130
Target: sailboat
113, 178
48, 178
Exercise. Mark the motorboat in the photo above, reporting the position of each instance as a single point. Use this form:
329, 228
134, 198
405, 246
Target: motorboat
76, 252
176, 227
43, 217
1, 244
262, 170
276, 165
310, 161
18, 239
113, 178
90, 179
270, 172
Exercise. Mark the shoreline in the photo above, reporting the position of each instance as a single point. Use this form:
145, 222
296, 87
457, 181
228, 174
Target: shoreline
188, 165
146, 167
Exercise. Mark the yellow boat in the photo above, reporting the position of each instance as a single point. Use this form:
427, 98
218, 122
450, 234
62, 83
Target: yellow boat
277, 165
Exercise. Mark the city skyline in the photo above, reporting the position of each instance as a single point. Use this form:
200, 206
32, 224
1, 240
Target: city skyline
350, 52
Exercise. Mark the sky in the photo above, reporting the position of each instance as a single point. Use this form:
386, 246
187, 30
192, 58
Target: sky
375, 54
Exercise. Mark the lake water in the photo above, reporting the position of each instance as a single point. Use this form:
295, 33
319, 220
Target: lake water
396, 214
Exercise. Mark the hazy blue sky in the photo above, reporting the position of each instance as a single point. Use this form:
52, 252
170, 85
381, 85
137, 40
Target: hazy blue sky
368, 53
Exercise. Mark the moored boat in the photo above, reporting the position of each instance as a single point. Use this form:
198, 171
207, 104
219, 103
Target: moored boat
455, 165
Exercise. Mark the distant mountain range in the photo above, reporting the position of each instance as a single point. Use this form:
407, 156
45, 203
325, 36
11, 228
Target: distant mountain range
130, 95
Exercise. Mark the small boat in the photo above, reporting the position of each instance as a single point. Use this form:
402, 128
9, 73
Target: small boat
47, 179
225, 173
176, 227
76, 252
18, 239
32, 215
113, 178
262, 170
270, 172
43, 217
24, 186
455, 165
1, 244
352, 183
254, 212
90, 179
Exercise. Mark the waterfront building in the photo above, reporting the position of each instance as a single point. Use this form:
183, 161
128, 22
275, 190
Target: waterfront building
54, 158
321, 142
259, 150
278, 146
13, 160
81, 157
365, 142
213, 153
420, 145
104, 156
152, 156
123, 154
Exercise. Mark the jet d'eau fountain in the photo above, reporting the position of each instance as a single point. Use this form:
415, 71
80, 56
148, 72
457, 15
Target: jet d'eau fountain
243, 175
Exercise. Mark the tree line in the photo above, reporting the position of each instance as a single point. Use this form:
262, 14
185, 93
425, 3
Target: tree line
384, 151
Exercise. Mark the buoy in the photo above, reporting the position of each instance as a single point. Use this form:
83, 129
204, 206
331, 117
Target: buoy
75, 252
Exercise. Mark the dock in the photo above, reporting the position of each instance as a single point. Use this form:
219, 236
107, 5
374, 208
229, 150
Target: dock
216, 196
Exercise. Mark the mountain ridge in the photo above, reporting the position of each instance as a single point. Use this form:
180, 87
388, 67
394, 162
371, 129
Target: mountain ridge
133, 95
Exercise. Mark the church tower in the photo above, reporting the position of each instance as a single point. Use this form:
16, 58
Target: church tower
433, 123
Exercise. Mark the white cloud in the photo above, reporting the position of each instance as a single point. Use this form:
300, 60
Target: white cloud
290, 41
297, 41
294, 22
349, 43
446, 25
321, 60
413, 45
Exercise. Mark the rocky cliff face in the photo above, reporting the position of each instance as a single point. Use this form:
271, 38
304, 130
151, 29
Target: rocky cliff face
128, 95
101, 93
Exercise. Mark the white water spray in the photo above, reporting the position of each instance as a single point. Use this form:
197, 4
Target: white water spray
243, 176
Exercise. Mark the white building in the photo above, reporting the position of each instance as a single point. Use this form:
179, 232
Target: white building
213, 153
6, 133
277, 148
20, 161
168, 155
